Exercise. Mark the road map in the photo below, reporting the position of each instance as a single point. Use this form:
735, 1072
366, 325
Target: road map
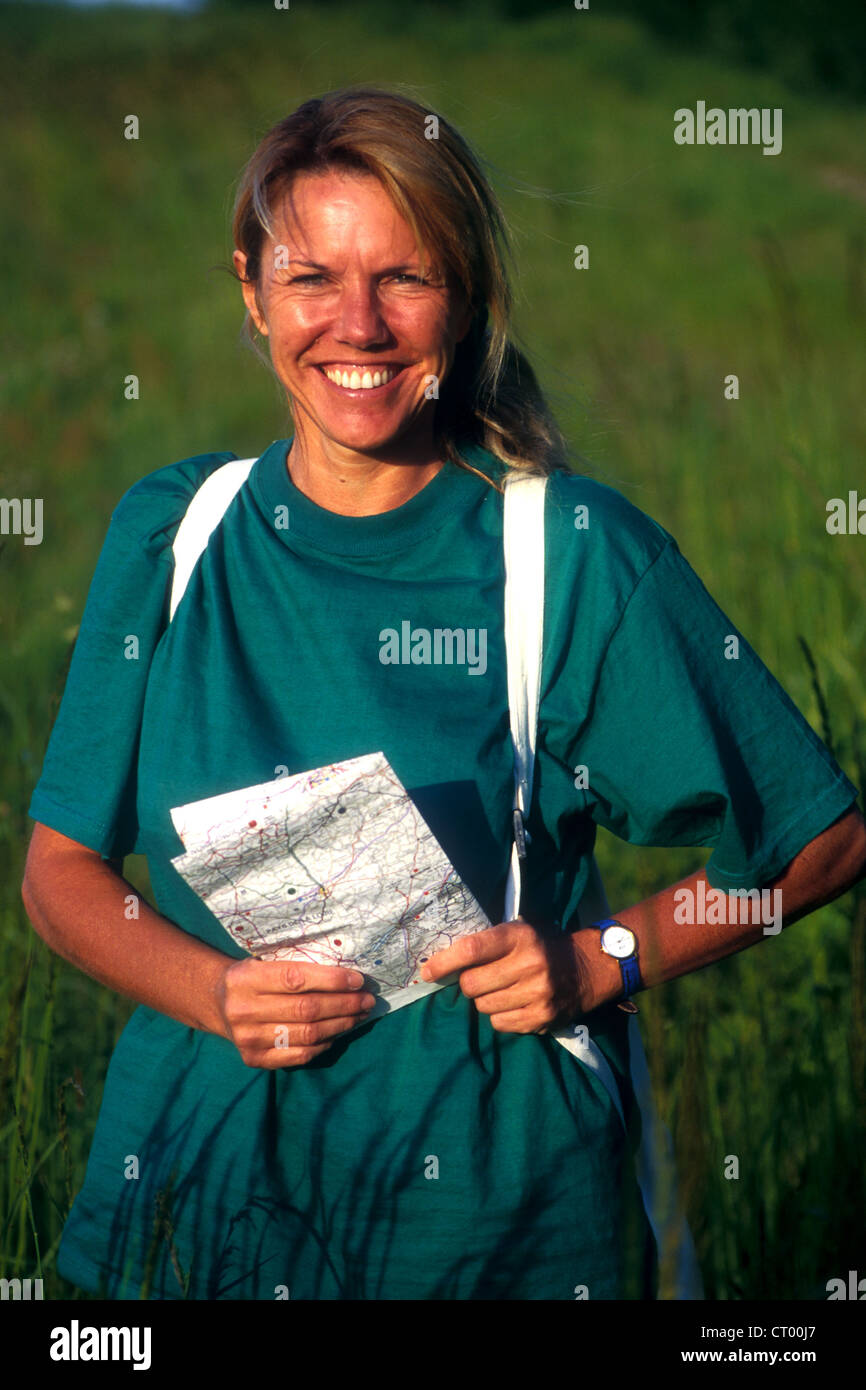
335, 866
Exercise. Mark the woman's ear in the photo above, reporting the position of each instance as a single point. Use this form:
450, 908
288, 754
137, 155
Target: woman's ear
248, 289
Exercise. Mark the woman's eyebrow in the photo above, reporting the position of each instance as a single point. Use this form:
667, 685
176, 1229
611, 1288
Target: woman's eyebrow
386, 270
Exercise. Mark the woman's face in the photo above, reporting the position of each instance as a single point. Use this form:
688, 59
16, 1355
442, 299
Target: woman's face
341, 293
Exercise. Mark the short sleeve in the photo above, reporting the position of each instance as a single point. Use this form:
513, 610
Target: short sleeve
87, 789
691, 740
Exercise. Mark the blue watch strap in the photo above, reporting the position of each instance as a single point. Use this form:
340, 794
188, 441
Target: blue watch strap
629, 968
630, 975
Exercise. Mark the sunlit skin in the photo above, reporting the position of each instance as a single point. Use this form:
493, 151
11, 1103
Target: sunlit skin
355, 292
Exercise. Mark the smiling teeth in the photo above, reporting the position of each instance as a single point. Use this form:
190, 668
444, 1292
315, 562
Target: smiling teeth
359, 381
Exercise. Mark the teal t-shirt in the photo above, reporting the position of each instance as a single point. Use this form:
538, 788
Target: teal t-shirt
426, 1155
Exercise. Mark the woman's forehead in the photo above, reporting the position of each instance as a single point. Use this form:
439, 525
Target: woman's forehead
323, 196
351, 211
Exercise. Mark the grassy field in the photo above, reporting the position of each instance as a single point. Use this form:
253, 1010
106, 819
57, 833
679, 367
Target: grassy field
703, 262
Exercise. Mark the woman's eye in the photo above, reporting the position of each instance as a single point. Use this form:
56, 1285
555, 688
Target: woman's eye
405, 277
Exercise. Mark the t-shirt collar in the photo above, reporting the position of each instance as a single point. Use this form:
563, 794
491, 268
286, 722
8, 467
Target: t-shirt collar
451, 490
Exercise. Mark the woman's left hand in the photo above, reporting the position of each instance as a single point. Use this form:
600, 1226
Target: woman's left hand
525, 982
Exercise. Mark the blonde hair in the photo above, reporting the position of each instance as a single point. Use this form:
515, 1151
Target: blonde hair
491, 396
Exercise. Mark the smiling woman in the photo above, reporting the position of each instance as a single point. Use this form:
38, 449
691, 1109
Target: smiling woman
364, 244
357, 344
263, 1134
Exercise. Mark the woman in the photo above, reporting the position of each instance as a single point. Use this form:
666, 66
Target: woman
450, 1149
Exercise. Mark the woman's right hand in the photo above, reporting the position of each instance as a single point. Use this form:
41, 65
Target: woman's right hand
285, 1013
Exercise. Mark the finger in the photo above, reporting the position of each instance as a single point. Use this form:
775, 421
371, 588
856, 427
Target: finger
476, 949
278, 1057
495, 1001
313, 1008
530, 1020
288, 1036
297, 977
299, 1008
280, 1045
505, 973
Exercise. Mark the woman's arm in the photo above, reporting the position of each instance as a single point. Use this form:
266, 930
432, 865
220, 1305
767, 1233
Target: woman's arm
79, 904
276, 1013
527, 983
823, 870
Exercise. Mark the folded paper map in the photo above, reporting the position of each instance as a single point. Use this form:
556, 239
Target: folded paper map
335, 866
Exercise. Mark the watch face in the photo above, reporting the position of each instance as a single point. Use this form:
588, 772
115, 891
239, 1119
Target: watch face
618, 941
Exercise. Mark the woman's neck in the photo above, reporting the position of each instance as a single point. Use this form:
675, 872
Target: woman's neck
355, 484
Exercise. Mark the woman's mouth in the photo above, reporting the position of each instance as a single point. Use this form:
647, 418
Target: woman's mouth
360, 379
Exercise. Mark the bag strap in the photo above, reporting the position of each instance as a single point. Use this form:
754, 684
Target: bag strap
204, 513
523, 544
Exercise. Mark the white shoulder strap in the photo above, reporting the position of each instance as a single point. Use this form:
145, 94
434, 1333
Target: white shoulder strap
204, 513
523, 542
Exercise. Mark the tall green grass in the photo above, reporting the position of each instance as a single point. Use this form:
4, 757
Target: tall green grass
703, 262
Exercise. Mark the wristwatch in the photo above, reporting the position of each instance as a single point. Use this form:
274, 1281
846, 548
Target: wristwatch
619, 941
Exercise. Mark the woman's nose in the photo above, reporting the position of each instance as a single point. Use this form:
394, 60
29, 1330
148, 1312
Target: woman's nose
359, 315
